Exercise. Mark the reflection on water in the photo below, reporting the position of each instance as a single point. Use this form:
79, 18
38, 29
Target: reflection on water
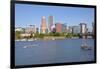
52, 51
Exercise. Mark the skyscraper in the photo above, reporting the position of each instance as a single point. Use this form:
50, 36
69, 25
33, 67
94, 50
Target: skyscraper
83, 28
50, 23
43, 25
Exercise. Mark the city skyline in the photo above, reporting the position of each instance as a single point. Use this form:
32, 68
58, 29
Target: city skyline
63, 15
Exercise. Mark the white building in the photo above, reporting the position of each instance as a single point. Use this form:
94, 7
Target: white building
18, 29
83, 28
30, 29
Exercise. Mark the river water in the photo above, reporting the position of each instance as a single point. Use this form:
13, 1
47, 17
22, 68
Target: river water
52, 51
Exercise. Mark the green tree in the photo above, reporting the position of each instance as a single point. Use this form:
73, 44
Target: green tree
41, 35
17, 34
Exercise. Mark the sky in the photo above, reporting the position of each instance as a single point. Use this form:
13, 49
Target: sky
26, 15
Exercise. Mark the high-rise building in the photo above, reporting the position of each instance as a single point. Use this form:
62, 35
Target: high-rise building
64, 28
50, 23
43, 25
76, 29
83, 28
69, 29
37, 30
30, 29
58, 27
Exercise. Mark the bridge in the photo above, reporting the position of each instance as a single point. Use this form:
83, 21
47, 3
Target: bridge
88, 35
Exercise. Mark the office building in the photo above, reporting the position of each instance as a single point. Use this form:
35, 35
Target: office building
83, 28
76, 29
64, 28
50, 23
30, 29
43, 25
58, 27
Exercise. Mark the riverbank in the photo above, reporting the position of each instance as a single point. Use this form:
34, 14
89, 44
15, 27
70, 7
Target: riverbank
48, 38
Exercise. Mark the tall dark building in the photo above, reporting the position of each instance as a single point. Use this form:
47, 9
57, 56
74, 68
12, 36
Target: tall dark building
37, 30
50, 23
66, 29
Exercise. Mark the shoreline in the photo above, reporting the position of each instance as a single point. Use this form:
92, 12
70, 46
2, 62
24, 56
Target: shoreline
47, 39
